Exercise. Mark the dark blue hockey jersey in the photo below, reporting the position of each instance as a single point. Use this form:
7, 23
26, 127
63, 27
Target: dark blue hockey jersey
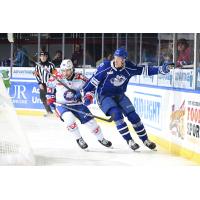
110, 81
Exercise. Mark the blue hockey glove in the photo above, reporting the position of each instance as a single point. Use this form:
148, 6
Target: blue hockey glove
165, 68
87, 102
77, 96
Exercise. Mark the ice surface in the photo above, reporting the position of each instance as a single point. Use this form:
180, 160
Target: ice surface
53, 145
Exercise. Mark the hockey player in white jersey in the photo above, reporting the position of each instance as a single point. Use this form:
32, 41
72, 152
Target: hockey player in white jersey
69, 105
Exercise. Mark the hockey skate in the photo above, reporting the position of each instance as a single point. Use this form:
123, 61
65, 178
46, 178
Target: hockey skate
49, 114
105, 142
133, 145
150, 145
82, 143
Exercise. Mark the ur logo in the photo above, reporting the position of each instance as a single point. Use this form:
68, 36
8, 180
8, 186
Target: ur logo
118, 80
19, 92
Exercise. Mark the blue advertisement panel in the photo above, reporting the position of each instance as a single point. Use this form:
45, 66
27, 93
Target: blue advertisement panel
198, 77
165, 80
24, 89
183, 78
148, 106
150, 80
25, 94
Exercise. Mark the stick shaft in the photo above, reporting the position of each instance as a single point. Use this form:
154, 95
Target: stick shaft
88, 114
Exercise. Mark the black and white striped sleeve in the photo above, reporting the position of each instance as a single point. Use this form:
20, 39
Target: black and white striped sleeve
52, 67
38, 74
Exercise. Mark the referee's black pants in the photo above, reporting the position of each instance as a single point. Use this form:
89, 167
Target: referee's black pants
43, 98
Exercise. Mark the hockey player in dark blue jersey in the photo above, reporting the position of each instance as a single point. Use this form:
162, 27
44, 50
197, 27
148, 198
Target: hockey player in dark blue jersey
110, 82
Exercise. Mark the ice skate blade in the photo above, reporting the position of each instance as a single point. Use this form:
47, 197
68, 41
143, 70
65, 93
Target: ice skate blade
154, 149
49, 115
136, 151
87, 150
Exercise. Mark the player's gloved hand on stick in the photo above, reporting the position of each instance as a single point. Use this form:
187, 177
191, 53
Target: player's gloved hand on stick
57, 74
165, 68
88, 99
51, 99
41, 87
87, 102
77, 96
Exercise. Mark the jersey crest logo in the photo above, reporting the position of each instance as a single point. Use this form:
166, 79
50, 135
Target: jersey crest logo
118, 80
110, 72
68, 95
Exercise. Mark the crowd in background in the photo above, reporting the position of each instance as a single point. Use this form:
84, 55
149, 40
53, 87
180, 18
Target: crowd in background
23, 59
149, 54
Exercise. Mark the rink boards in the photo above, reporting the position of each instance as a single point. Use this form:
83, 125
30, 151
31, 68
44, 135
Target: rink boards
171, 116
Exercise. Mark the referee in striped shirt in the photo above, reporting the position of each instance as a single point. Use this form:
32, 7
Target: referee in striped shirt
42, 77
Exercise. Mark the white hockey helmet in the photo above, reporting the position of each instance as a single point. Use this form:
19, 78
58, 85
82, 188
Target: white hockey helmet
67, 64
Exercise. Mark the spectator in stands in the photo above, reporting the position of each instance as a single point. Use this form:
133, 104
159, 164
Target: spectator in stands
77, 56
57, 58
89, 59
149, 55
166, 56
5, 62
166, 52
184, 53
106, 57
21, 59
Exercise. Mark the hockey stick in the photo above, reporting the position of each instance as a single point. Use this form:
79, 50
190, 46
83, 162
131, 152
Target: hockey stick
54, 76
73, 91
87, 114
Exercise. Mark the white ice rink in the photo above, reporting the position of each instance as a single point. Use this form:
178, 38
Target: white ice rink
54, 145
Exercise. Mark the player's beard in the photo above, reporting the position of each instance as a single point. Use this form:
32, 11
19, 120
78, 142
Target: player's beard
70, 77
122, 66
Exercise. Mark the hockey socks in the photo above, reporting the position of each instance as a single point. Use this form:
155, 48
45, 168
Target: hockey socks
140, 130
123, 129
96, 130
138, 126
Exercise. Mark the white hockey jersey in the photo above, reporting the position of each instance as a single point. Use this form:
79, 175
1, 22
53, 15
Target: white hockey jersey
64, 95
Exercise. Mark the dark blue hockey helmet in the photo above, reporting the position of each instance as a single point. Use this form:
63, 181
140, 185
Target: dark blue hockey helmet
121, 52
